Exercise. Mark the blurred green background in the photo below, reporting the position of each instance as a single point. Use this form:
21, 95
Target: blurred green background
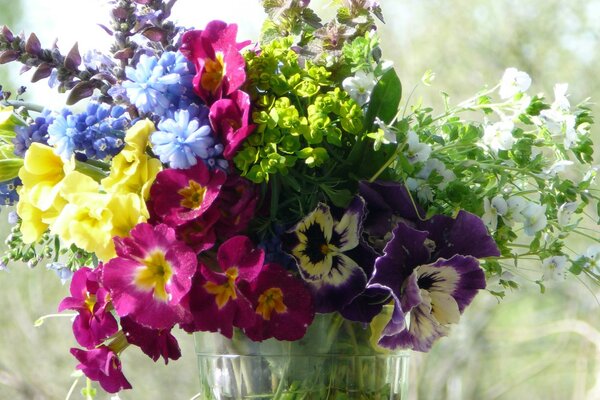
529, 346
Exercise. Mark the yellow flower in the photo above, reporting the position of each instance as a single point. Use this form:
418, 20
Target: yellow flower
86, 220
127, 210
137, 136
8, 120
40, 202
132, 170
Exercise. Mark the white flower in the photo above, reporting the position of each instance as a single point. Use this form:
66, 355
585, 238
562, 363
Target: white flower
515, 204
593, 255
389, 135
570, 132
554, 169
513, 82
565, 212
417, 151
554, 268
561, 102
534, 218
497, 206
360, 86
498, 136
552, 120
424, 191
433, 164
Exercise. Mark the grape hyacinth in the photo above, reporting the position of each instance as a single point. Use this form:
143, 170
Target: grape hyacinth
96, 133
156, 84
8, 192
37, 132
180, 140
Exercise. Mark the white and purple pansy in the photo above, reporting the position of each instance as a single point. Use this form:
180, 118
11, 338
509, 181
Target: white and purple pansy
327, 253
429, 268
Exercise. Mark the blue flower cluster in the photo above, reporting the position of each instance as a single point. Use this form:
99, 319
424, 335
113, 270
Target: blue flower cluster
8, 192
186, 136
36, 132
156, 85
96, 133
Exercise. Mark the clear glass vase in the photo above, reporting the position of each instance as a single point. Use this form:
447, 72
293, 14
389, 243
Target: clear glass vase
336, 359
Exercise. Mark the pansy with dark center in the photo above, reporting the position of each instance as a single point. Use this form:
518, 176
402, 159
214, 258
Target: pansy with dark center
322, 248
429, 267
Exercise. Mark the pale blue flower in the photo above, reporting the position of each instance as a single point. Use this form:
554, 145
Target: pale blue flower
181, 140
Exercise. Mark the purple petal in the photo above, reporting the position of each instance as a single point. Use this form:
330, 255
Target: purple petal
466, 235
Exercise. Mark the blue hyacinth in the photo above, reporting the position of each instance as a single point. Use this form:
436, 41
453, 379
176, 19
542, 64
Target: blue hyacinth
96, 133
8, 192
36, 132
184, 137
156, 84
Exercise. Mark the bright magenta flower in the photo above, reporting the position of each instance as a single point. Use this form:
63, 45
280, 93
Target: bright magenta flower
150, 275
94, 322
216, 302
155, 343
220, 68
181, 195
282, 303
230, 120
237, 205
102, 365
199, 233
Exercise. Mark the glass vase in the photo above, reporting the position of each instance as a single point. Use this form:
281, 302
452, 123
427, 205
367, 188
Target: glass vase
336, 359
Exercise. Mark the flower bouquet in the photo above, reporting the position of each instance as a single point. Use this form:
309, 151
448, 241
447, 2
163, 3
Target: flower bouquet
278, 198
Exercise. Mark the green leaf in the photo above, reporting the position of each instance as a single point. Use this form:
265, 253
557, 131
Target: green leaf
339, 198
385, 99
7, 151
9, 168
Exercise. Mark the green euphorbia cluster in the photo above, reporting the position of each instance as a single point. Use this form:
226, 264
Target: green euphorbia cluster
302, 115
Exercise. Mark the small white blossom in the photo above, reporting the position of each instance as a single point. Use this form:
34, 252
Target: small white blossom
389, 135
593, 255
554, 268
424, 191
534, 218
554, 169
498, 136
360, 86
515, 204
513, 82
433, 164
492, 209
561, 102
417, 151
565, 212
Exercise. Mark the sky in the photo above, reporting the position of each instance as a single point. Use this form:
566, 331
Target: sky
72, 21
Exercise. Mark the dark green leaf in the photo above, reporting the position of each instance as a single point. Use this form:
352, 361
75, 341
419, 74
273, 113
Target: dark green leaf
385, 99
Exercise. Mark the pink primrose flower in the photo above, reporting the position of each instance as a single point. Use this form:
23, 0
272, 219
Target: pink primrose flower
220, 68
155, 343
103, 366
216, 302
282, 303
229, 118
237, 204
181, 195
94, 322
150, 275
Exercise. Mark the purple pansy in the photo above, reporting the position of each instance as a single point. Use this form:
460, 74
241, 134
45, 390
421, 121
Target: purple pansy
327, 253
429, 267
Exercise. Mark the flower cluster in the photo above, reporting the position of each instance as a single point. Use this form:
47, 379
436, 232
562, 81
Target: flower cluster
214, 185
